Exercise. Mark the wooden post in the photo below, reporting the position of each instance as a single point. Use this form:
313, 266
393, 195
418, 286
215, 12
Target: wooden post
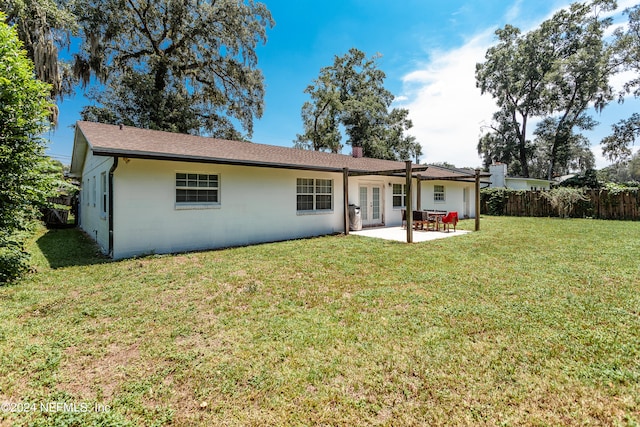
418, 193
477, 199
345, 187
409, 204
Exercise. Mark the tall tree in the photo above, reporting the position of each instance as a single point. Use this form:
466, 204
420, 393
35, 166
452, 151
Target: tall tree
616, 147
175, 65
400, 145
45, 27
513, 74
350, 95
24, 107
500, 142
634, 167
320, 116
580, 76
557, 70
573, 155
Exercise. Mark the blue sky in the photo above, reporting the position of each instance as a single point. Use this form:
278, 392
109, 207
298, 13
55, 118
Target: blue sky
429, 50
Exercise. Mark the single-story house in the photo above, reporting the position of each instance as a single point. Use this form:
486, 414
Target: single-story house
500, 179
145, 191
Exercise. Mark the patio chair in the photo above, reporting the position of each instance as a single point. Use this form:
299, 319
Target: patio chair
418, 220
448, 219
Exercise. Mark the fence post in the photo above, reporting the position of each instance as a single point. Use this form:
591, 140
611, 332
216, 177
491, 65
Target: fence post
477, 199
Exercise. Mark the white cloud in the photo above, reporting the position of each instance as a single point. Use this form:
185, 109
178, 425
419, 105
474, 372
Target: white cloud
514, 11
625, 4
445, 106
448, 110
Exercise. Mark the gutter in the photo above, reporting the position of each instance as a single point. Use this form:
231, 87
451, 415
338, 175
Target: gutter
133, 154
111, 171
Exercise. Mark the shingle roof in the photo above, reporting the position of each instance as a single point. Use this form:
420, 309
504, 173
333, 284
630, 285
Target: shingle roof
111, 140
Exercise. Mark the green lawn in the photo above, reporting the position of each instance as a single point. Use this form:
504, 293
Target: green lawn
527, 322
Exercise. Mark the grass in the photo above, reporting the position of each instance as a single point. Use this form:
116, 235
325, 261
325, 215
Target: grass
527, 322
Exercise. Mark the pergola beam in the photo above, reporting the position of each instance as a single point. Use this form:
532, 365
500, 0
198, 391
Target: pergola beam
408, 202
400, 172
477, 199
345, 198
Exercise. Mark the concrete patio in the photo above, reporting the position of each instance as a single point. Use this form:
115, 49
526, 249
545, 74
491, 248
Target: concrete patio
400, 234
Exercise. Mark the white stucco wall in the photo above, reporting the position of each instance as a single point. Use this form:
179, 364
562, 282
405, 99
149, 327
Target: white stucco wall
92, 219
256, 205
527, 184
390, 216
455, 197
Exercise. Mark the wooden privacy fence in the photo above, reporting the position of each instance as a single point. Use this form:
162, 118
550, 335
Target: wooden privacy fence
57, 216
601, 204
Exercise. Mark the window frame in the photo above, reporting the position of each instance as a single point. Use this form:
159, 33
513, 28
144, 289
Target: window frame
402, 195
318, 192
201, 185
94, 191
103, 195
439, 196
85, 190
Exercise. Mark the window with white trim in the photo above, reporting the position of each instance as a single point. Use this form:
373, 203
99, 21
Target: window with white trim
438, 193
314, 194
94, 191
197, 188
103, 193
399, 195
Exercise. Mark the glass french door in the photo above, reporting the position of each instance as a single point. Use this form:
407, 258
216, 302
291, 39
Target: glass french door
371, 204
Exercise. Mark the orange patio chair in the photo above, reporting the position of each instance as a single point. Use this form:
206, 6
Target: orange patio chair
449, 219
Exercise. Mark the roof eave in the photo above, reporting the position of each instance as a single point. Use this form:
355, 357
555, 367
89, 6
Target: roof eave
132, 154
79, 153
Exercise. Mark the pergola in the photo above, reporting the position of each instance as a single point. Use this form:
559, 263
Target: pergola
410, 172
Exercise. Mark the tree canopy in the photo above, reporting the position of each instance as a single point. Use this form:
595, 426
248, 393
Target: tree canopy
45, 27
188, 66
555, 72
350, 95
616, 147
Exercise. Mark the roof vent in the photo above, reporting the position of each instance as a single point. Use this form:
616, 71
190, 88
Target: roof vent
121, 126
356, 152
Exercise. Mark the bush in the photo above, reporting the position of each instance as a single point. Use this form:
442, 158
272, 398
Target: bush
586, 179
24, 108
563, 198
13, 260
496, 199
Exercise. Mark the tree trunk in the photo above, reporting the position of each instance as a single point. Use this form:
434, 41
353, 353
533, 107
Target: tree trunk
552, 159
522, 152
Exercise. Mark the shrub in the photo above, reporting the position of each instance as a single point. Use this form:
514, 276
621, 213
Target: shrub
24, 107
13, 260
496, 199
563, 198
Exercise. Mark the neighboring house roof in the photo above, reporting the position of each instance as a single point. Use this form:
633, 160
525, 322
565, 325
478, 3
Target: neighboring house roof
519, 178
111, 140
442, 173
563, 178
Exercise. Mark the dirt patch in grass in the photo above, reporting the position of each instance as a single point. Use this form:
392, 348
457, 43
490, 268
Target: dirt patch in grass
96, 377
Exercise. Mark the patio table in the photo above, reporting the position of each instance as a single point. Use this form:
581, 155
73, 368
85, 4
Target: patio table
438, 217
